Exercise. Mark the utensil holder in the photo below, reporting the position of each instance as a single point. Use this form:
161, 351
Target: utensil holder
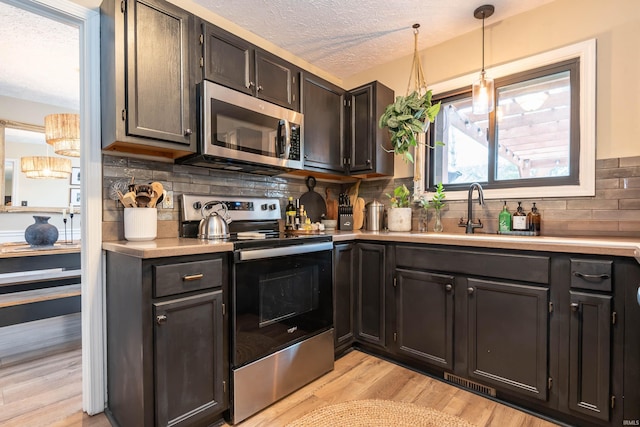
140, 224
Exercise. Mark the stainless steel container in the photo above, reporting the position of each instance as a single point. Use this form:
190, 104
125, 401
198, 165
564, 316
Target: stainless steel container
374, 216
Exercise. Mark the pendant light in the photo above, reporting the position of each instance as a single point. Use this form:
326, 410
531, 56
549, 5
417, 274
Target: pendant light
62, 131
483, 88
45, 167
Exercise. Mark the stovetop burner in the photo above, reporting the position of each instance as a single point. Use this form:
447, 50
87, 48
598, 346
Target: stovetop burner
249, 216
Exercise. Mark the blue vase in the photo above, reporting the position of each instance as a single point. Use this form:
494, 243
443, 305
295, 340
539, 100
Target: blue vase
41, 233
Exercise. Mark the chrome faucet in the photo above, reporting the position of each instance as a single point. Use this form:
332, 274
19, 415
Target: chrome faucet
469, 224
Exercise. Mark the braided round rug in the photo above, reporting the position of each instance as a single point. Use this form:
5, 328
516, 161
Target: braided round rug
369, 413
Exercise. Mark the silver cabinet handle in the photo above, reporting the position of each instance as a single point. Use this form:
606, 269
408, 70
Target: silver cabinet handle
470, 291
259, 88
575, 306
161, 319
188, 132
448, 287
250, 85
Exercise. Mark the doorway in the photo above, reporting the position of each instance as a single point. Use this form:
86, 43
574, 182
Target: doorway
86, 19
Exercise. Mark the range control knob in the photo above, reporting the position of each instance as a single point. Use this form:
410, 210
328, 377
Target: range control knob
263, 206
272, 207
197, 206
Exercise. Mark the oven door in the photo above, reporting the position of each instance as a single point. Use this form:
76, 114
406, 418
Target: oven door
280, 296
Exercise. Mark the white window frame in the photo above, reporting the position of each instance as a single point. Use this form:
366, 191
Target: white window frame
586, 52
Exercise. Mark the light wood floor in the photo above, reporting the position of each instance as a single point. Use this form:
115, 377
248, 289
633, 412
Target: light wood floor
47, 392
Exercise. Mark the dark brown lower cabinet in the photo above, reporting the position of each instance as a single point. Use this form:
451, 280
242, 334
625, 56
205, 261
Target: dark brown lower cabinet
188, 382
424, 317
371, 293
590, 354
343, 279
167, 345
508, 336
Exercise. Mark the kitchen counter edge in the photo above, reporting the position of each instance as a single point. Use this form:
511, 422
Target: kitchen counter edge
613, 246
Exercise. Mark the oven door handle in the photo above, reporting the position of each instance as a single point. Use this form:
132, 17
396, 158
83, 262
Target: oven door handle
248, 255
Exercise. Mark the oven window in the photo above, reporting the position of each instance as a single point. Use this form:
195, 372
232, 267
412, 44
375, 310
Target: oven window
288, 294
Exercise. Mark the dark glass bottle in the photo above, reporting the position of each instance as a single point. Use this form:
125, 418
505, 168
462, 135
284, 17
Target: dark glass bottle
519, 220
533, 219
297, 219
290, 215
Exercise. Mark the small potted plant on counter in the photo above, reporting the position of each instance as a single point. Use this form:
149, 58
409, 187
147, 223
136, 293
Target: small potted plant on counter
437, 203
399, 218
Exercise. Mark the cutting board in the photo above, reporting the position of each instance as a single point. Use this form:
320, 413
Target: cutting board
358, 213
332, 205
313, 202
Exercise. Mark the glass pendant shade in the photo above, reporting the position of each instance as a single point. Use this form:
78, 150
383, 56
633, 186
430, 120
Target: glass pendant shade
45, 167
62, 131
482, 95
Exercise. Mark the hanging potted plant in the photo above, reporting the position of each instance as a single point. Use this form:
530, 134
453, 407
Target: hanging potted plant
407, 117
410, 115
399, 215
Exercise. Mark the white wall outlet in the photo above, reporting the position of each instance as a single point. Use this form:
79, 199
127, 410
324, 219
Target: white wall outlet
167, 201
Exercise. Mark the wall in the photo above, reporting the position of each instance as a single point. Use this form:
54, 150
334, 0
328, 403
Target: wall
616, 27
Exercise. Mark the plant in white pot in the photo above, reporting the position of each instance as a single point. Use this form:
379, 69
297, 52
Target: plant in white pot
399, 215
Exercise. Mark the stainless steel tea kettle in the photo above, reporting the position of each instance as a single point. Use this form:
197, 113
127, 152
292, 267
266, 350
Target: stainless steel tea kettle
214, 225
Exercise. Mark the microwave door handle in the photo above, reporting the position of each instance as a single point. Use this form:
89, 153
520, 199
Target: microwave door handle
287, 140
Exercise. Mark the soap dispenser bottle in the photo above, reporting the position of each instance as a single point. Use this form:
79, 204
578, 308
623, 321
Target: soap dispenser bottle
519, 220
504, 219
533, 219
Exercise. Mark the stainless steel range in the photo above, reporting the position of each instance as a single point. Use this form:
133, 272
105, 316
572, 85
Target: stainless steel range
281, 301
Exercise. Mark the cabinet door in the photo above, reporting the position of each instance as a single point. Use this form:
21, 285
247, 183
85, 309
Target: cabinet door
508, 328
228, 60
590, 354
343, 279
323, 108
276, 80
160, 94
424, 316
367, 142
189, 359
370, 293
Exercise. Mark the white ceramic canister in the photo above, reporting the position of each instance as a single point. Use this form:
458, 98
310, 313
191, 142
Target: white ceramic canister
140, 224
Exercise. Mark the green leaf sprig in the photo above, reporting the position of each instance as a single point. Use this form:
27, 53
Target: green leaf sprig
437, 201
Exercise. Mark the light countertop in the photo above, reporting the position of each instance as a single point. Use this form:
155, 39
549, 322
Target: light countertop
614, 246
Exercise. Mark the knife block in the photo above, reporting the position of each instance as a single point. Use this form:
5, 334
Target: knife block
345, 222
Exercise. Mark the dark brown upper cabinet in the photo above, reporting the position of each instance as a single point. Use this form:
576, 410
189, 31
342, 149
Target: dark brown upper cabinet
367, 142
147, 89
341, 128
233, 62
323, 106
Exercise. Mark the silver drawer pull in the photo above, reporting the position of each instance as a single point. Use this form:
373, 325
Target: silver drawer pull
161, 319
590, 276
192, 277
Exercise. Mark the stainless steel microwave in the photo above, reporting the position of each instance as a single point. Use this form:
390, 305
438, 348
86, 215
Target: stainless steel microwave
244, 133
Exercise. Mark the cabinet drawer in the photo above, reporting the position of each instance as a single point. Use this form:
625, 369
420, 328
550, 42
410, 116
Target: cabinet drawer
526, 268
173, 279
591, 274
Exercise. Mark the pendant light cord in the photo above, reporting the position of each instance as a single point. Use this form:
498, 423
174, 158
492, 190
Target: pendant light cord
483, 43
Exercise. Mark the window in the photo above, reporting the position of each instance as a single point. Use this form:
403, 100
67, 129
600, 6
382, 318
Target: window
539, 140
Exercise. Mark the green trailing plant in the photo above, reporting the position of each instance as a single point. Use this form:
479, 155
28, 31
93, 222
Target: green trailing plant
405, 118
400, 197
437, 201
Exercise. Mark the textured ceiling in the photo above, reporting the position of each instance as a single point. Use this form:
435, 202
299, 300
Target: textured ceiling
344, 37
40, 58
